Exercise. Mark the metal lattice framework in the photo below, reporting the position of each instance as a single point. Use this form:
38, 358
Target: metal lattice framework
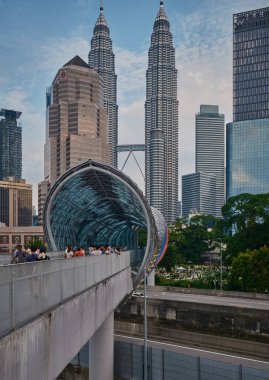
95, 204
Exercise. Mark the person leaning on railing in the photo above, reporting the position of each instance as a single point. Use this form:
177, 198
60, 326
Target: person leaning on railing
68, 254
19, 255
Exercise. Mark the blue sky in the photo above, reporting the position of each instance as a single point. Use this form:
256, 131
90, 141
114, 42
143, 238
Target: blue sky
38, 37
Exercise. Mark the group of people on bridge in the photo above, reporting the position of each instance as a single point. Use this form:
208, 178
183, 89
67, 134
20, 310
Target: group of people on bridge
93, 251
31, 254
35, 253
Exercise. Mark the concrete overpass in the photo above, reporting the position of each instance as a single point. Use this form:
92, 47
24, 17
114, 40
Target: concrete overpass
49, 310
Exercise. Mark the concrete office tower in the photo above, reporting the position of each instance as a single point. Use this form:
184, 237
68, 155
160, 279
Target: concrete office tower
43, 190
10, 145
161, 121
102, 59
15, 202
76, 123
248, 135
198, 194
209, 149
44, 186
77, 119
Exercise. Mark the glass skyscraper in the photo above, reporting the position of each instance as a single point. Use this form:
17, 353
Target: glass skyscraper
209, 149
10, 145
102, 59
203, 192
248, 135
251, 65
161, 121
248, 157
198, 194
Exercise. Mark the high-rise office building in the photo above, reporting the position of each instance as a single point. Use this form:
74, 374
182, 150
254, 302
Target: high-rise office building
204, 190
15, 202
102, 59
248, 135
77, 119
251, 65
76, 123
198, 194
209, 149
161, 121
10, 145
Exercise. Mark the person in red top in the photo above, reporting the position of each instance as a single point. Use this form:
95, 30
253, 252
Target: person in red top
80, 252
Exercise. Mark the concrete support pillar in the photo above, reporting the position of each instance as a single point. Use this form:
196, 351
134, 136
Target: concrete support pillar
101, 351
151, 279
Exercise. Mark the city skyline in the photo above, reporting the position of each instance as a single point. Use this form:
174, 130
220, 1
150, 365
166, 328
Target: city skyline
32, 52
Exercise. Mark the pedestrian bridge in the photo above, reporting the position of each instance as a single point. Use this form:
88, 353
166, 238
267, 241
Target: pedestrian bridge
94, 204
49, 310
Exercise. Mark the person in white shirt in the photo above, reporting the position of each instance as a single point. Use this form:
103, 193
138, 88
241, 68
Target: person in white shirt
68, 254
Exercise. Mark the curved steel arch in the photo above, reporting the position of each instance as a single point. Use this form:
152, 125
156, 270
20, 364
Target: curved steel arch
95, 204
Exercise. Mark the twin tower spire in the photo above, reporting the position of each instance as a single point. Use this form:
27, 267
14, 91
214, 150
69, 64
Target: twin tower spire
161, 109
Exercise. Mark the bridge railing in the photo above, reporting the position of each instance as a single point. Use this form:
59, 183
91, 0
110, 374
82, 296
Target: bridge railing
30, 289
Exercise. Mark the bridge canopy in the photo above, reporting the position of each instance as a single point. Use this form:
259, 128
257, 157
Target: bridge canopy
93, 205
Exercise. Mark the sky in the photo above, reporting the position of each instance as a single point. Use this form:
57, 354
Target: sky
39, 37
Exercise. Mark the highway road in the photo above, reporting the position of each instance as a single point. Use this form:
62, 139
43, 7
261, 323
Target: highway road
221, 357
210, 300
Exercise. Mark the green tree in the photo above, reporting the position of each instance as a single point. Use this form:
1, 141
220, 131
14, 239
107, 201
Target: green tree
170, 259
246, 216
189, 240
35, 242
250, 271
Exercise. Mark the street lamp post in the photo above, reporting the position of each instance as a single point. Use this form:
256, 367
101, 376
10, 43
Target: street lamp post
220, 251
145, 327
220, 265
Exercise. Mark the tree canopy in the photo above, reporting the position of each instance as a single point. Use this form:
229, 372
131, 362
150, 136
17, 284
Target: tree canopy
250, 271
246, 217
189, 240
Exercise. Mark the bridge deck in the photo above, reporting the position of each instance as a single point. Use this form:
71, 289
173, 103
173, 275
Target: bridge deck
28, 290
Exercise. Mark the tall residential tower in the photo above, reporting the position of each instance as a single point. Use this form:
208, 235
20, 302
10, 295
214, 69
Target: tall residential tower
10, 144
248, 136
102, 59
15, 193
161, 121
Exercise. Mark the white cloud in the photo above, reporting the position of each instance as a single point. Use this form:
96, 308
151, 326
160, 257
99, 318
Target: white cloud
131, 70
56, 52
15, 99
132, 123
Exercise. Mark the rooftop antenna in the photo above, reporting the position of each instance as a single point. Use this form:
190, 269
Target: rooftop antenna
161, 3
101, 6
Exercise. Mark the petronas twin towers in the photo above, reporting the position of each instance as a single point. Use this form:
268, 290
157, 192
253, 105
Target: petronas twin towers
102, 59
161, 109
161, 121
